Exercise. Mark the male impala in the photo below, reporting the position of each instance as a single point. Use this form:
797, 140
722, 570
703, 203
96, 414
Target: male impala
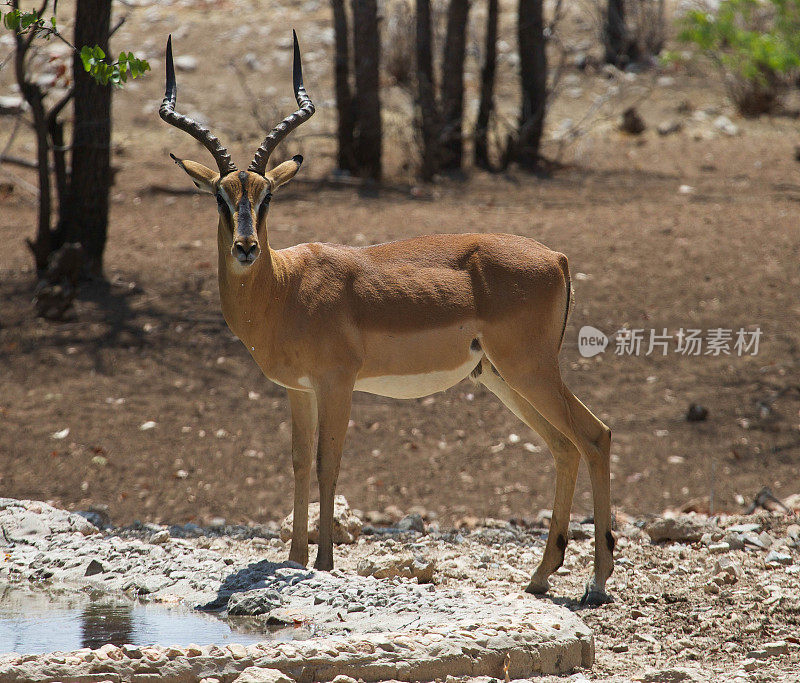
403, 319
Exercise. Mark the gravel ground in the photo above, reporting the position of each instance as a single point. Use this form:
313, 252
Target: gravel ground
714, 599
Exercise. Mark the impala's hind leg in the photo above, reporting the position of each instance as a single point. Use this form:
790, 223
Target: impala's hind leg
566, 458
541, 385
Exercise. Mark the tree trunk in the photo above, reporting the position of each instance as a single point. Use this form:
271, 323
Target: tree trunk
55, 129
32, 93
453, 84
345, 156
426, 95
43, 244
366, 40
85, 218
533, 76
615, 33
486, 106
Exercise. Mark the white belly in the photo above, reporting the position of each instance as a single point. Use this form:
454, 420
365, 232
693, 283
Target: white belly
415, 386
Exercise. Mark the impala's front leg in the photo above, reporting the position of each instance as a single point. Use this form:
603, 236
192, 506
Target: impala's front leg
333, 408
304, 431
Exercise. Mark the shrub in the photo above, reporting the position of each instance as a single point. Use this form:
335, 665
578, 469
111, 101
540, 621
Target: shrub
398, 56
629, 30
399, 39
647, 24
755, 43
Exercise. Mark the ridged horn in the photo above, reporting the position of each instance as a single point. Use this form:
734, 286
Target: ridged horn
305, 111
184, 123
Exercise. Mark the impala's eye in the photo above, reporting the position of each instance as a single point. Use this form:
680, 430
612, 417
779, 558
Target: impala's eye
220, 202
262, 208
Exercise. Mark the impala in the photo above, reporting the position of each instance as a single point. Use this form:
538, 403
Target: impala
403, 319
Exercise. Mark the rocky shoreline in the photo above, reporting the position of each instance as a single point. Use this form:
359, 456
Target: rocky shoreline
696, 596
366, 627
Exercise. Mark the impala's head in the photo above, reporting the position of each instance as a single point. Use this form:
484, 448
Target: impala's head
242, 196
242, 202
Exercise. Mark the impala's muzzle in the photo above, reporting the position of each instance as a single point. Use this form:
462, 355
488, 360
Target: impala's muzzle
245, 253
245, 247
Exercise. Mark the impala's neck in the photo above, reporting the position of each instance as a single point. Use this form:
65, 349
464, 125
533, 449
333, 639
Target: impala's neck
246, 293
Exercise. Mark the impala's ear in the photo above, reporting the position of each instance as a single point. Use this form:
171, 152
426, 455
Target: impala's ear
284, 172
206, 179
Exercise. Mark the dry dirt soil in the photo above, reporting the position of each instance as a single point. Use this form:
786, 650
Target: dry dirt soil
152, 345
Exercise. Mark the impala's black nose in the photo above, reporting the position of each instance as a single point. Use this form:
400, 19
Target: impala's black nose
245, 252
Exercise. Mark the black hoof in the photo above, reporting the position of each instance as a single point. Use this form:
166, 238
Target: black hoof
595, 597
538, 589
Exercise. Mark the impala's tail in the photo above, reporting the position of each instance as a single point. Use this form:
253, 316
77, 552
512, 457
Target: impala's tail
565, 269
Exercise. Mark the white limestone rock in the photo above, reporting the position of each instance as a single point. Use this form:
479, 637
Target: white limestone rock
346, 526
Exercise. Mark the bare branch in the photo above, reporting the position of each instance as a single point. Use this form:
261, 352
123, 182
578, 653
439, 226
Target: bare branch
555, 79
62, 39
118, 25
592, 116
24, 184
56, 110
6, 60
558, 11
32, 34
263, 122
11, 138
22, 162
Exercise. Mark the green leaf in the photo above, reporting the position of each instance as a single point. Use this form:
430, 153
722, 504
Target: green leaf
756, 41
28, 19
93, 59
87, 58
12, 20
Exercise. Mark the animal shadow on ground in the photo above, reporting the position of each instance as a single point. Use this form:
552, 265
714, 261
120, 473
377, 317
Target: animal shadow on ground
262, 574
572, 604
